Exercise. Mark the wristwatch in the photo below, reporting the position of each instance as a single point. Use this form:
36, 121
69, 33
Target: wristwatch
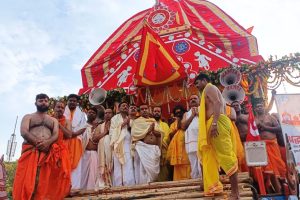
214, 124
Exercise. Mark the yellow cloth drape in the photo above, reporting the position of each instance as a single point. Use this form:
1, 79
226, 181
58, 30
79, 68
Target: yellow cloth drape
177, 155
236, 142
117, 137
140, 127
165, 140
215, 152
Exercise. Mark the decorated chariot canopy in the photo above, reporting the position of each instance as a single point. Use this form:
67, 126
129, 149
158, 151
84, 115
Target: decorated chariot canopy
168, 44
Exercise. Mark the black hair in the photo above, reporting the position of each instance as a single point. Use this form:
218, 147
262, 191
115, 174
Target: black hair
122, 103
73, 96
256, 101
202, 76
157, 107
143, 104
41, 96
180, 107
59, 101
93, 109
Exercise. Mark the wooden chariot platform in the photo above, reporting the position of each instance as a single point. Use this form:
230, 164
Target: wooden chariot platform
185, 189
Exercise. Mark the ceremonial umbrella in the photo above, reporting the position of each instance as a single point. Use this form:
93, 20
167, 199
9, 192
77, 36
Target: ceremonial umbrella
169, 44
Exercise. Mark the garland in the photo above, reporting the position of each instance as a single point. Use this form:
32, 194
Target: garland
256, 79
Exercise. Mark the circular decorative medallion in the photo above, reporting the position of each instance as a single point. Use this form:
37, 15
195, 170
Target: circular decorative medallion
160, 18
136, 55
181, 47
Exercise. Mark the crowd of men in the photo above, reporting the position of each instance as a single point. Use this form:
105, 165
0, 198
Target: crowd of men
66, 152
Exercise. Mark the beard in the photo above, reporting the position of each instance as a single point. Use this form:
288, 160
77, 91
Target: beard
42, 108
156, 117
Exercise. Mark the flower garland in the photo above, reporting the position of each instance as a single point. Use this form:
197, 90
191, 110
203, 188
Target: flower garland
256, 79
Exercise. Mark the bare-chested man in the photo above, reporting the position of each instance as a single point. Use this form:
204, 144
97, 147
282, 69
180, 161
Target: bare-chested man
241, 120
268, 127
89, 170
146, 136
39, 131
215, 144
104, 150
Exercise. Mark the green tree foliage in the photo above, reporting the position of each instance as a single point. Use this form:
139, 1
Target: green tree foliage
10, 170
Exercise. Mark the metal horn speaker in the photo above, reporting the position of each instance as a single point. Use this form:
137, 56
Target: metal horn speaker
233, 93
230, 77
97, 96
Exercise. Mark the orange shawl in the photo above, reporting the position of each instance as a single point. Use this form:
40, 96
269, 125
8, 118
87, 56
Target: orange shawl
60, 177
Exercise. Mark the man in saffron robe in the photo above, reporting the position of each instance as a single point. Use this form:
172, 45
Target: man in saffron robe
62, 169
164, 173
123, 173
268, 127
190, 123
146, 138
214, 142
40, 131
176, 150
77, 118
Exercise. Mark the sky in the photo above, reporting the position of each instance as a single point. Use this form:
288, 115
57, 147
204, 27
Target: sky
44, 44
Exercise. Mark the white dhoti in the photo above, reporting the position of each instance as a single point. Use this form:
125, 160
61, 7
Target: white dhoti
105, 163
196, 171
191, 146
89, 170
76, 176
78, 122
146, 162
123, 175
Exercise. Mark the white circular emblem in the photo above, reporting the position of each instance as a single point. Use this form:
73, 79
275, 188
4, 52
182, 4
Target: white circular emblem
158, 18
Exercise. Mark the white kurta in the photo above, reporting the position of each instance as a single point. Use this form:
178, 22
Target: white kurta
191, 145
146, 162
78, 122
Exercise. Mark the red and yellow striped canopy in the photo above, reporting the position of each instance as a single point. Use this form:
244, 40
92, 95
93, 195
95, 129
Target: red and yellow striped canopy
186, 36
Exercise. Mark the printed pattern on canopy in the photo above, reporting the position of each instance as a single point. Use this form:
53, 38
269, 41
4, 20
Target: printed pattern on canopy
198, 33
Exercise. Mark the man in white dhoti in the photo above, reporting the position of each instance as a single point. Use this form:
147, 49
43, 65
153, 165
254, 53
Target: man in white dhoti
190, 124
123, 173
77, 118
89, 165
102, 135
146, 138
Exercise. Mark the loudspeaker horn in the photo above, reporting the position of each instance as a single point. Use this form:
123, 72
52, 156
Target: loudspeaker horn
97, 96
230, 77
233, 93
